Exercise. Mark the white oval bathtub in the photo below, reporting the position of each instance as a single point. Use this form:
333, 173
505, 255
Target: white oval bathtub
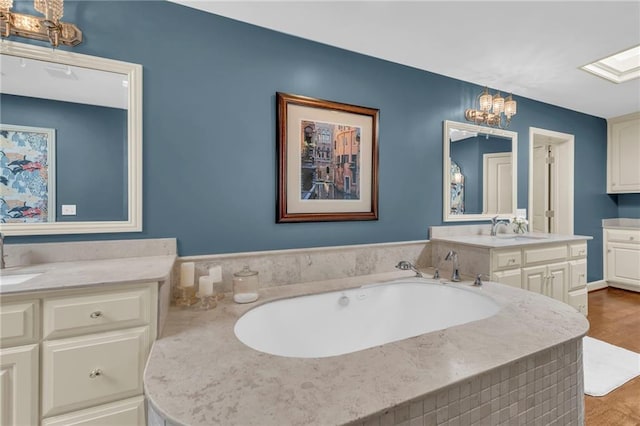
346, 321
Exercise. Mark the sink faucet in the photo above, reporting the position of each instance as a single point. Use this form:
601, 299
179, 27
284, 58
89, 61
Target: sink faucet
495, 223
455, 273
404, 265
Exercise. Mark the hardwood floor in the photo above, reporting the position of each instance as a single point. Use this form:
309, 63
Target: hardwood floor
614, 316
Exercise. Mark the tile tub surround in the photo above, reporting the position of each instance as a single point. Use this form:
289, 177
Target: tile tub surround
199, 373
284, 267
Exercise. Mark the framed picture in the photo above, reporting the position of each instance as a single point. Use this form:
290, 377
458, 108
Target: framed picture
327, 160
27, 175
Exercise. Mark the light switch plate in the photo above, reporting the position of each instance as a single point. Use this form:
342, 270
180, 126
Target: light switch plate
68, 210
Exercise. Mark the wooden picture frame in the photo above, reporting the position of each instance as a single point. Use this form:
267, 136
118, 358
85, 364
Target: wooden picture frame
327, 160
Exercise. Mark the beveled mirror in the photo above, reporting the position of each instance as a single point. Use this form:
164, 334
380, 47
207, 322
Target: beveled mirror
70, 142
479, 172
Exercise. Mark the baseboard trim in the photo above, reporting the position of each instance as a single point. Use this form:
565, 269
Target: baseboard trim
597, 285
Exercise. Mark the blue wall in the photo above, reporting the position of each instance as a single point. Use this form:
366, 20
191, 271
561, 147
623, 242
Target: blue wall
90, 143
209, 131
629, 205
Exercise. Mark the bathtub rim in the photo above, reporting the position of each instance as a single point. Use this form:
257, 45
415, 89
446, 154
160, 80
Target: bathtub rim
164, 369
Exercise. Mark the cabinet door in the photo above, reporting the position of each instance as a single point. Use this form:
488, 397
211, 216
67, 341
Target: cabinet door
558, 282
511, 277
623, 263
535, 279
624, 156
19, 386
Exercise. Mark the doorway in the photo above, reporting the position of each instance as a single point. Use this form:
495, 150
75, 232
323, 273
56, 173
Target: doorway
551, 181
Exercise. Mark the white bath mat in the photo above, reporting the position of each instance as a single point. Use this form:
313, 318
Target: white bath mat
607, 366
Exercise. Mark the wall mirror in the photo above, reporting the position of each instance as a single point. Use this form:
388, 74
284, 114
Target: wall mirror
479, 172
70, 142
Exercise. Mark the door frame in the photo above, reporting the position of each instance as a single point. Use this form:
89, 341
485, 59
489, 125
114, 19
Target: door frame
564, 172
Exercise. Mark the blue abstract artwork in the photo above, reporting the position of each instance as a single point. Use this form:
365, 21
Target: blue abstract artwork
27, 180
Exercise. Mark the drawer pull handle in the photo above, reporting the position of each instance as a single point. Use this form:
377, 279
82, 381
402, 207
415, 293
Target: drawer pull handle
631, 238
95, 373
96, 314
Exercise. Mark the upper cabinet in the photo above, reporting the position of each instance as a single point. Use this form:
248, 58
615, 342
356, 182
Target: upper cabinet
623, 154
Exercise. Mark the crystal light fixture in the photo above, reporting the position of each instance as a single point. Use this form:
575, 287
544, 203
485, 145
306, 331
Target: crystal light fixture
493, 110
49, 28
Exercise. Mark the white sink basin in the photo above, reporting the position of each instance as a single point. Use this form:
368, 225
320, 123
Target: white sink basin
16, 278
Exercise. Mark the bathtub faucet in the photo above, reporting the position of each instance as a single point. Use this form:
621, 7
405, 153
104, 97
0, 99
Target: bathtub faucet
455, 273
403, 265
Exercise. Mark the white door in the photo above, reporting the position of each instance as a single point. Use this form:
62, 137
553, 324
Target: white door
535, 279
540, 222
551, 182
625, 152
497, 183
558, 281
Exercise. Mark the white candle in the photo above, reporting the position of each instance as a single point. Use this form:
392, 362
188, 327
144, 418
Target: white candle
187, 274
215, 272
205, 286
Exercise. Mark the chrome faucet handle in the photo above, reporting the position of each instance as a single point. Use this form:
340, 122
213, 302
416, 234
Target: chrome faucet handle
436, 274
478, 281
404, 265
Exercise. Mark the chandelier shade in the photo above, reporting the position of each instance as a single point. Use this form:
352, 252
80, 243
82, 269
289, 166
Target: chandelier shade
48, 28
492, 110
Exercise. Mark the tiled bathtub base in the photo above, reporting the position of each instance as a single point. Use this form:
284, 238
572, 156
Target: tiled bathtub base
543, 389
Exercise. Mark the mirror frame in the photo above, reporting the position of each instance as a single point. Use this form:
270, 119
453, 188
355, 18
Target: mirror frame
134, 142
446, 186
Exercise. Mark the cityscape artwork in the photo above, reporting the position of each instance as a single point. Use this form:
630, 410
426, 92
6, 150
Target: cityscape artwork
327, 160
330, 161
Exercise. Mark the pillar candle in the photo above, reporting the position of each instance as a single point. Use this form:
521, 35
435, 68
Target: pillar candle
187, 274
205, 286
215, 272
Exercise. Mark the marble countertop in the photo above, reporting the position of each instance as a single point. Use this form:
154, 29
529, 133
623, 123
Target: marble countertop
84, 273
511, 240
199, 373
621, 223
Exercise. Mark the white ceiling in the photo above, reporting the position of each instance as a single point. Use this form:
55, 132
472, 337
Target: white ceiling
531, 48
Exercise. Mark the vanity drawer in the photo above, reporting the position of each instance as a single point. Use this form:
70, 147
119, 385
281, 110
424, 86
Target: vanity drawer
578, 250
19, 323
69, 316
623, 235
507, 259
82, 371
545, 254
129, 412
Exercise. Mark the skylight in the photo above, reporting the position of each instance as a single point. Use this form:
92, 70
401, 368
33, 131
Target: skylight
618, 68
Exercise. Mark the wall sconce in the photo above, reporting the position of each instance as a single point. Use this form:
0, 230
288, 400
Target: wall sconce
494, 111
49, 28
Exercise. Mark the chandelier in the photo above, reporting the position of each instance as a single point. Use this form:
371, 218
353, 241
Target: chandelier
48, 28
493, 110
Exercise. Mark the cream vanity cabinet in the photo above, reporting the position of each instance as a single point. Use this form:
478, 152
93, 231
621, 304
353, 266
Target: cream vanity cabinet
93, 345
622, 258
623, 154
557, 270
